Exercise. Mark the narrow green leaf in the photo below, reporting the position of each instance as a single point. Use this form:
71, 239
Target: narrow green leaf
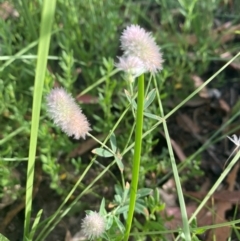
118, 189
159, 207
150, 98
113, 142
131, 101
144, 192
119, 163
102, 152
118, 198
200, 231
122, 209
47, 17
119, 224
140, 208
102, 209
126, 192
109, 222
194, 223
152, 116
35, 224
3, 238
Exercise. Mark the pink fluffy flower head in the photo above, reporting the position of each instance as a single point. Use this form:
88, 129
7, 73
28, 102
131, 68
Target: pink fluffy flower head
136, 42
66, 114
93, 225
132, 65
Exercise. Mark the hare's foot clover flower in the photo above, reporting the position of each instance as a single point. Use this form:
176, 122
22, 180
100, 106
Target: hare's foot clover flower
66, 114
140, 52
132, 65
93, 225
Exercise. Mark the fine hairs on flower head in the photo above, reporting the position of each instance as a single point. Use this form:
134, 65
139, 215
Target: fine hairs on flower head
93, 225
66, 114
140, 52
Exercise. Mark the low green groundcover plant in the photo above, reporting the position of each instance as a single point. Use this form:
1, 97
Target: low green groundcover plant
139, 76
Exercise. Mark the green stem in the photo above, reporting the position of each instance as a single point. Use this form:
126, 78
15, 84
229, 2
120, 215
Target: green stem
48, 10
186, 229
137, 155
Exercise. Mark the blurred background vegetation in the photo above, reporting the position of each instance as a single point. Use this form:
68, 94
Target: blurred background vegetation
196, 38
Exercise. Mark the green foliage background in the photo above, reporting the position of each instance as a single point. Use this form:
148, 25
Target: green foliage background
84, 46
